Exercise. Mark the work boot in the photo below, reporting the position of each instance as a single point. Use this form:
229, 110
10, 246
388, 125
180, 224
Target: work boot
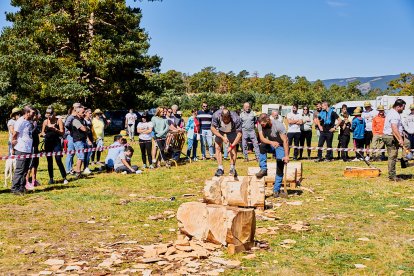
219, 172
280, 194
261, 173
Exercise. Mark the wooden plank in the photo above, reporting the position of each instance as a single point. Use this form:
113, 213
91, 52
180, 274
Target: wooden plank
361, 172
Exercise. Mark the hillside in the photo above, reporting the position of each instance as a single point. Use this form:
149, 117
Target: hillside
367, 83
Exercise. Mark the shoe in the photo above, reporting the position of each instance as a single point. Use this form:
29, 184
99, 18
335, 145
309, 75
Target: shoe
212, 158
138, 172
295, 158
144, 166
51, 181
327, 160
195, 159
280, 194
36, 183
395, 179
261, 173
219, 172
29, 186
367, 158
355, 160
77, 175
151, 166
203, 158
318, 160
233, 172
124, 172
86, 171
19, 193
72, 172
65, 181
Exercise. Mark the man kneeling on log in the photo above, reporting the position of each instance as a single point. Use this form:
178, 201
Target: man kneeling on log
273, 139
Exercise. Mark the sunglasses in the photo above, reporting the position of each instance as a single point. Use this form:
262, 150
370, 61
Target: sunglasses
204, 106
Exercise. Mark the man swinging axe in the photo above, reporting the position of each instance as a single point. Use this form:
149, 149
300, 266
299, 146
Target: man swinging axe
273, 139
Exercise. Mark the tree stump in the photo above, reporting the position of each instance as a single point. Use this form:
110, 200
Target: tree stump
217, 224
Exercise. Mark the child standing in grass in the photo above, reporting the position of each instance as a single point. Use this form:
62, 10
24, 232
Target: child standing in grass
358, 128
192, 129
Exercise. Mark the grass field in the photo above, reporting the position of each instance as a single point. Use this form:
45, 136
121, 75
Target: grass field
352, 221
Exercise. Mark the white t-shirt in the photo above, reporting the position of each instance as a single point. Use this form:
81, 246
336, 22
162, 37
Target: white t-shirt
293, 128
145, 126
131, 118
393, 117
11, 122
24, 137
368, 117
118, 161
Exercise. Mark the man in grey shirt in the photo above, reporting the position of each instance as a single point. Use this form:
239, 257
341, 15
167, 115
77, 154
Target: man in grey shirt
248, 119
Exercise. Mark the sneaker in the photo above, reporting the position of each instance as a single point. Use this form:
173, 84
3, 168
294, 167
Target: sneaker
395, 179
327, 160
86, 171
367, 158
280, 194
36, 183
124, 172
203, 158
72, 172
77, 175
213, 158
65, 181
261, 173
29, 186
51, 181
151, 166
219, 172
318, 160
355, 160
144, 166
138, 171
195, 159
233, 172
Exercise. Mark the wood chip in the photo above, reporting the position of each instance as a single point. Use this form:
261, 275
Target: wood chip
45, 272
288, 241
249, 257
364, 239
294, 203
151, 260
409, 209
54, 262
360, 266
73, 268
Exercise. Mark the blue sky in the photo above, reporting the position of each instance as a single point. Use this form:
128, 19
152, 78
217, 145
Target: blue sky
313, 38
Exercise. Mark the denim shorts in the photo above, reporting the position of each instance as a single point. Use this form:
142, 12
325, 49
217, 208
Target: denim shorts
80, 145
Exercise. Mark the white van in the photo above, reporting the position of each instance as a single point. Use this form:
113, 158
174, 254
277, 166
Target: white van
388, 101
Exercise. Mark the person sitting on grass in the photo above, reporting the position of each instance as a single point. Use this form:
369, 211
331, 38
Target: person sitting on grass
123, 162
113, 152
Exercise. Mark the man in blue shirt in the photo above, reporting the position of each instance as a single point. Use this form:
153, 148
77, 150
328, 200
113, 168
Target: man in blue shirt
114, 152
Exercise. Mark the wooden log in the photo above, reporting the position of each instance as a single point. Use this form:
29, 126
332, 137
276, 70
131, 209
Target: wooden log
293, 174
235, 192
217, 224
361, 172
192, 217
212, 191
247, 191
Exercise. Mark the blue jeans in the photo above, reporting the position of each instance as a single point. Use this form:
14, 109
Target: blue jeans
192, 146
280, 153
69, 157
207, 139
80, 145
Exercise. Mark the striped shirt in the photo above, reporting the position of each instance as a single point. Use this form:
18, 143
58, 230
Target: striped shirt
204, 117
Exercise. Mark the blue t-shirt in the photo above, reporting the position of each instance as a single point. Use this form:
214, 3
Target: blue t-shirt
113, 153
358, 128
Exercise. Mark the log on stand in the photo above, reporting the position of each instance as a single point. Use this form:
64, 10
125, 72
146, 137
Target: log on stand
247, 191
217, 224
293, 175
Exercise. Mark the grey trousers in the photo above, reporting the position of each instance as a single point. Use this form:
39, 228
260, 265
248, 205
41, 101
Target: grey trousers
19, 177
252, 135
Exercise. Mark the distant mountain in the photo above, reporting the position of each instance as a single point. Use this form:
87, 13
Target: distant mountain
367, 83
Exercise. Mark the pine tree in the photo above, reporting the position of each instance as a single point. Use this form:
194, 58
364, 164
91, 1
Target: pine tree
64, 51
